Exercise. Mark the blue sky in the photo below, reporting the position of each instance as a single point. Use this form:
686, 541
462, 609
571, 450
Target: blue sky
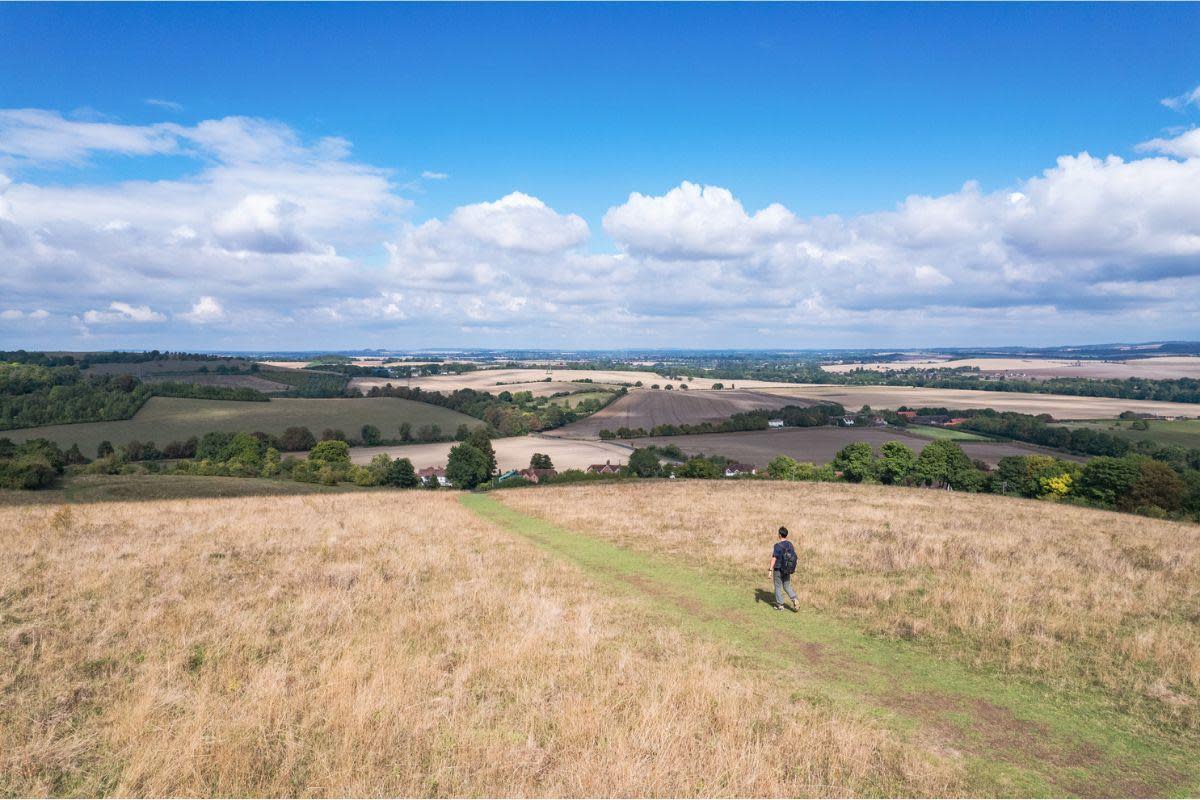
824, 110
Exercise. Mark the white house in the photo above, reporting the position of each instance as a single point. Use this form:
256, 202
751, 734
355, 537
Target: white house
774, 423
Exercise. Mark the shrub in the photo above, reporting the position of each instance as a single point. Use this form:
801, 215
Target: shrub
330, 451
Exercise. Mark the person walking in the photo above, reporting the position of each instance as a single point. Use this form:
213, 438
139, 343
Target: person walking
783, 564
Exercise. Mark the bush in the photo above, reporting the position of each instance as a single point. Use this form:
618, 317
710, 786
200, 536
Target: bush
297, 438
330, 451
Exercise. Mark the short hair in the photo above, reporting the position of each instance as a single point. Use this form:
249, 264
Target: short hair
783, 532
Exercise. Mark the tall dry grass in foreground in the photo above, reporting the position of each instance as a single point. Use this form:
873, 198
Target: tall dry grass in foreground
382, 644
1070, 595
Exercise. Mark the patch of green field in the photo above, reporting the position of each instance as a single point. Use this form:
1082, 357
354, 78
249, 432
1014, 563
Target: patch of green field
935, 432
1181, 432
573, 400
1017, 737
103, 488
166, 419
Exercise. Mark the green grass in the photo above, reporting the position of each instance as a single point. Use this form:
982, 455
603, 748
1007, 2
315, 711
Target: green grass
102, 488
572, 400
165, 419
935, 432
1017, 737
1181, 432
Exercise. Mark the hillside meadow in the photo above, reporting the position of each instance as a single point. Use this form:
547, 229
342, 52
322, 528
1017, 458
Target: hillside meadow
166, 419
343, 645
1081, 599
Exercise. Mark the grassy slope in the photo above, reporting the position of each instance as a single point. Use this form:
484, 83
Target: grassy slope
110, 488
1017, 736
934, 432
1182, 432
164, 419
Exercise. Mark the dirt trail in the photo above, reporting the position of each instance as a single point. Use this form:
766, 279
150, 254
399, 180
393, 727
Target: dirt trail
1017, 738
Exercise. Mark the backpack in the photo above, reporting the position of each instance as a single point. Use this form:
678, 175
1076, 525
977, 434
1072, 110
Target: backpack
787, 561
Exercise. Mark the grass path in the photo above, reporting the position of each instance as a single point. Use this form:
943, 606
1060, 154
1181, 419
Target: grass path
1016, 738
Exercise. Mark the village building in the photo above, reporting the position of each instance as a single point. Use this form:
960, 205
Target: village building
433, 472
607, 468
774, 423
536, 475
732, 470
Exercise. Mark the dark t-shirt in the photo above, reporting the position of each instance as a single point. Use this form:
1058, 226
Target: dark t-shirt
780, 548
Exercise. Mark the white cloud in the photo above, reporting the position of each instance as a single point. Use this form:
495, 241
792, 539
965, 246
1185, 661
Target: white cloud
122, 312
168, 105
1184, 145
292, 233
13, 314
434, 176
1180, 102
204, 310
694, 222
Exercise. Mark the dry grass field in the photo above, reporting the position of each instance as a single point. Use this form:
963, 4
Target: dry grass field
536, 388
343, 646
512, 452
1081, 599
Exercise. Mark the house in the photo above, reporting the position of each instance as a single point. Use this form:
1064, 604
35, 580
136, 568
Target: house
908, 415
774, 423
512, 473
607, 468
931, 419
733, 470
956, 420
846, 422
878, 422
536, 475
433, 472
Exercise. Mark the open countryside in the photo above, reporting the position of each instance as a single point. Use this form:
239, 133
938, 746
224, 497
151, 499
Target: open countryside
600, 400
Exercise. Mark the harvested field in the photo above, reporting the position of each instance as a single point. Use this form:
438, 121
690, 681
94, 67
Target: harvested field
512, 452
1058, 406
1166, 367
316, 646
537, 389
165, 419
645, 408
485, 380
820, 445
1071, 597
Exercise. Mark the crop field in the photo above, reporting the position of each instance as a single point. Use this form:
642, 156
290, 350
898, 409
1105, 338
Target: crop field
1180, 432
1058, 406
488, 380
820, 445
1168, 367
239, 381
165, 419
645, 408
511, 453
536, 388
573, 400
953, 434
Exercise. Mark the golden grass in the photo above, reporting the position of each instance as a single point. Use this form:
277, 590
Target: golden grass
379, 644
1070, 595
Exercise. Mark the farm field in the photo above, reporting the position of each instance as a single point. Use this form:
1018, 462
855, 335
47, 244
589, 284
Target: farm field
645, 408
953, 434
820, 445
165, 419
519, 379
1180, 432
1168, 367
108, 488
244, 380
537, 388
512, 452
1058, 406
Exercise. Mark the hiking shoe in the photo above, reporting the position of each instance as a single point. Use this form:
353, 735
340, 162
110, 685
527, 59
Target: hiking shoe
777, 607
